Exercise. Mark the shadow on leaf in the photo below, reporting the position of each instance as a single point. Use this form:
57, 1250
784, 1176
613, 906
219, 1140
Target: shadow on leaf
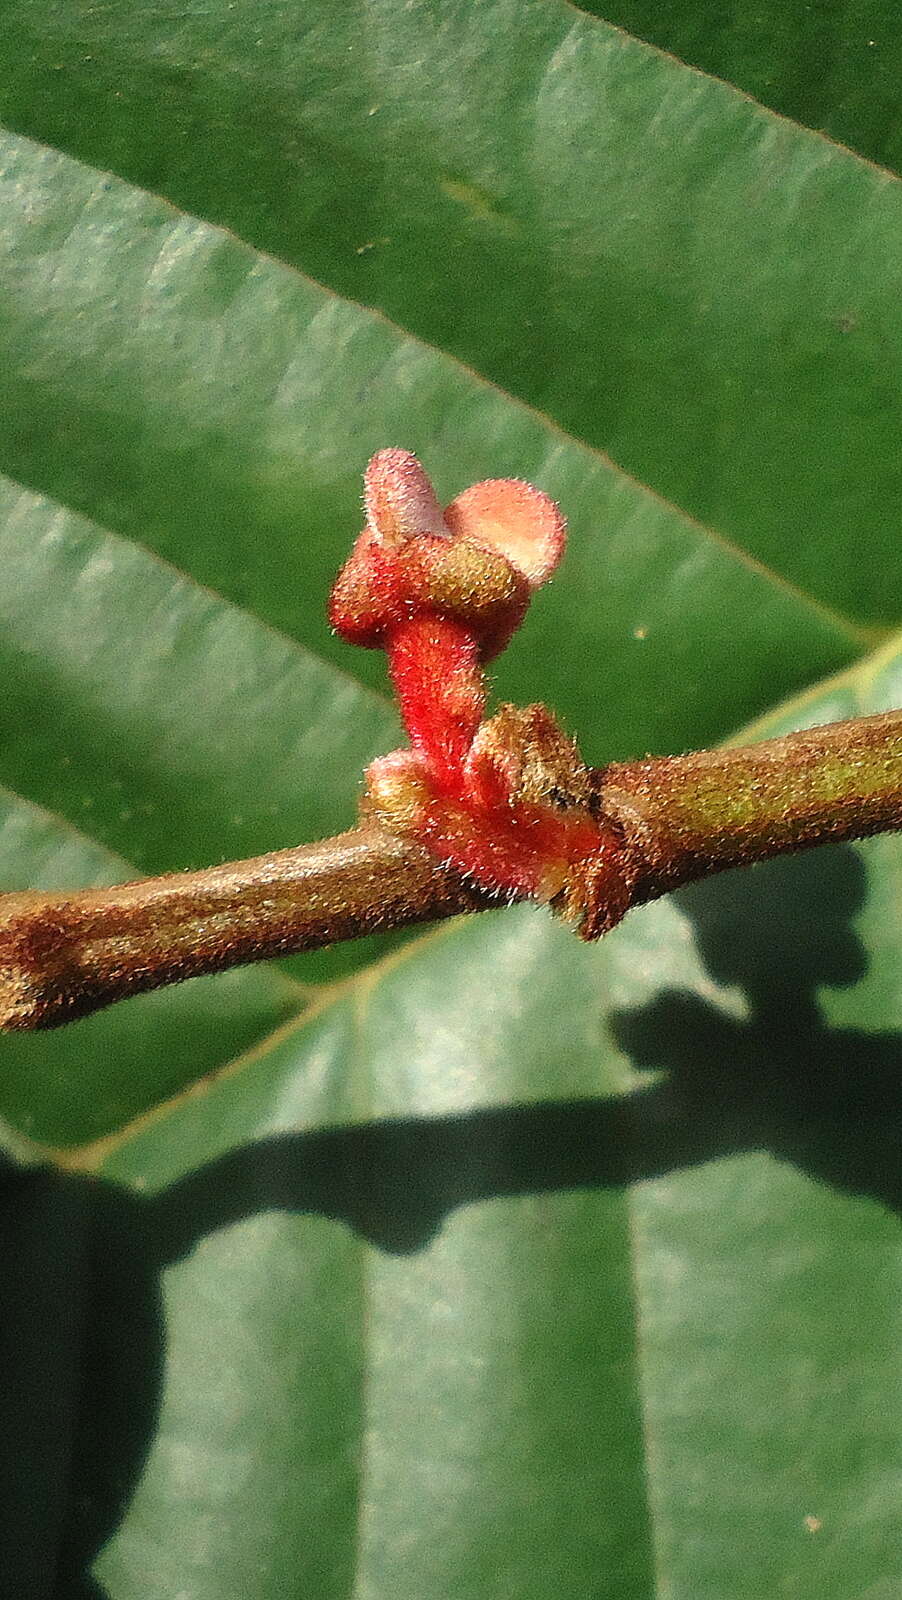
827, 1099
82, 1326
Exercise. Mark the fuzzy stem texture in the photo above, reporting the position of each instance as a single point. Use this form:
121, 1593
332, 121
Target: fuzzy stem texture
434, 666
666, 821
689, 816
64, 955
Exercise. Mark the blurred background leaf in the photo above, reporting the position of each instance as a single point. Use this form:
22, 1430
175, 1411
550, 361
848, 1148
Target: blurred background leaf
475, 1263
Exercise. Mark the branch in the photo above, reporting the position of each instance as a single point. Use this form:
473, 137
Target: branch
689, 816
474, 812
671, 820
62, 956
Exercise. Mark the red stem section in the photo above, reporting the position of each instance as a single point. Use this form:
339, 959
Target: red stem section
436, 671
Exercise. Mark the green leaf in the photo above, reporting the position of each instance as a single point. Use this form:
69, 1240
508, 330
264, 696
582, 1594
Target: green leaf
211, 403
490, 1264
833, 67
671, 272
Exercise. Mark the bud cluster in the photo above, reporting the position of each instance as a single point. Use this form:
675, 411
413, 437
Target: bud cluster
507, 801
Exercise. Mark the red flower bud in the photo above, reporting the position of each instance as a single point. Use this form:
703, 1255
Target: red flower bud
476, 564
507, 801
512, 517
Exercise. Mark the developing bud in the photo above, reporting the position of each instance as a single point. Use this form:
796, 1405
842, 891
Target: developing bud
508, 802
399, 499
514, 518
477, 564
442, 593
